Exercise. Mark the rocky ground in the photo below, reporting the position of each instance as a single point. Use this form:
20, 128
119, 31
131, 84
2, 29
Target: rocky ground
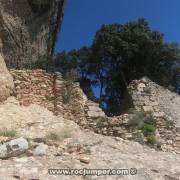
53, 142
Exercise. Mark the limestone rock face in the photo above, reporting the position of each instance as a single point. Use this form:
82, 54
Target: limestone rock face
6, 81
28, 29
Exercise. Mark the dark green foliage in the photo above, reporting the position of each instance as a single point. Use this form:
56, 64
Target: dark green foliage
148, 129
119, 54
130, 51
79, 62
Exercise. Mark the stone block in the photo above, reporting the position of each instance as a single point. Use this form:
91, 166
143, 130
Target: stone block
148, 108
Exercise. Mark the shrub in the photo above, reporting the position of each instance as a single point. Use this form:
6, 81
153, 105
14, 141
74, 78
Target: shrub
151, 139
68, 95
53, 136
137, 119
144, 122
8, 133
148, 129
70, 78
59, 136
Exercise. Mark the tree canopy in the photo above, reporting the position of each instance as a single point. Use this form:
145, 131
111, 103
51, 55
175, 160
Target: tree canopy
120, 53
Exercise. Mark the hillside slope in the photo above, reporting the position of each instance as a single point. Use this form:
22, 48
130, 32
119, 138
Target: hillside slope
84, 149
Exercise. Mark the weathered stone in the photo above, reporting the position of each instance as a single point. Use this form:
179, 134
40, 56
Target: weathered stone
6, 81
84, 159
94, 108
148, 108
141, 87
159, 114
13, 148
40, 150
94, 114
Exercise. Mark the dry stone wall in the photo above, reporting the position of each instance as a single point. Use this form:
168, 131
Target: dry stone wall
147, 96
48, 90
34, 87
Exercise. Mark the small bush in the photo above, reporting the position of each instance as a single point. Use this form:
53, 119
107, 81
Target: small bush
8, 133
144, 122
53, 136
68, 90
148, 129
66, 97
59, 136
151, 139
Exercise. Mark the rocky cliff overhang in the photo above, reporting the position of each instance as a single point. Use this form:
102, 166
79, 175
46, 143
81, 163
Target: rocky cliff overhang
28, 29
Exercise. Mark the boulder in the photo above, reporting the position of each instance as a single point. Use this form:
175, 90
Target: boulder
148, 108
40, 150
6, 81
13, 148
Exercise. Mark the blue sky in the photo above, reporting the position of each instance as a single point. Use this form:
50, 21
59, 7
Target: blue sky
84, 17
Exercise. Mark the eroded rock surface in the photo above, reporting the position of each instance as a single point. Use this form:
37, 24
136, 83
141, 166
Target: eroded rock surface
6, 81
28, 29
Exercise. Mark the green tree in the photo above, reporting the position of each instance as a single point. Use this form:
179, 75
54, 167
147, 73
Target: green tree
119, 54
126, 52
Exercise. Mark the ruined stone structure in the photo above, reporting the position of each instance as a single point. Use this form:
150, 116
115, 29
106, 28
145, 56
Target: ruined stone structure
48, 90
164, 105
43, 106
28, 29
